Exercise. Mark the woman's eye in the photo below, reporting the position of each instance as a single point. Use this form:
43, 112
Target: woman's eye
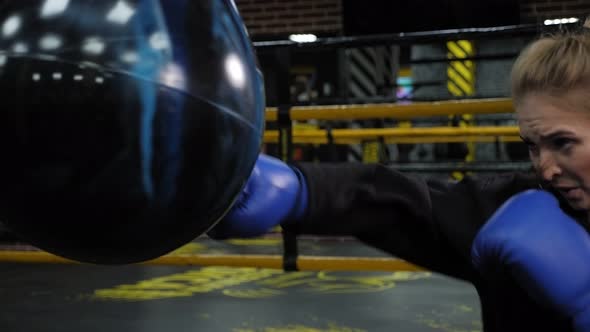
533, 148
561, 142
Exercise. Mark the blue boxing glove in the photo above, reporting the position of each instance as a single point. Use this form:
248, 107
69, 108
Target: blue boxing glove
274, 194
533, 241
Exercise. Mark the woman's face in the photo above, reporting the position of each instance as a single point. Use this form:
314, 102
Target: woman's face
557, 132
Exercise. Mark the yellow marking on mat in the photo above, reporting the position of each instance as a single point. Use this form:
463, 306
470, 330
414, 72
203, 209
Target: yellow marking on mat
255, 242
442, 320
328, 283
253, 283
465, 308
289, 280
444, 326
301, 328
260, 293
447, 327
185, 284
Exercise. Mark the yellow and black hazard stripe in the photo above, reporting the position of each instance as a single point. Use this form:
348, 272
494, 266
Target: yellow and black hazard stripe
460, 69
461, 83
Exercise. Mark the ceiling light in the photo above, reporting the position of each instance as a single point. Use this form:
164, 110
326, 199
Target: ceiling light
50, 42
93, 45
121, 13
11, 26
303, 38
53, 7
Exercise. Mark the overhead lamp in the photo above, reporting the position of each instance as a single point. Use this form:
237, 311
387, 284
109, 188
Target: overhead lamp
50, 42
53, 8
303, 38
93, 46
121, 13
130, 57
20, 48
11, 26
561, 21
159, 41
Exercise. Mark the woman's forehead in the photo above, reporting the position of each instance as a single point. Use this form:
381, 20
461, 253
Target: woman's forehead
572, 105
576, 100
544, 120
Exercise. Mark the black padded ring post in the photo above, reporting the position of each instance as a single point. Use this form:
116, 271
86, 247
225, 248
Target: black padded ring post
285, 126
384, 155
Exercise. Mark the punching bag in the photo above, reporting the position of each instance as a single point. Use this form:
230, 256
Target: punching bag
127, 127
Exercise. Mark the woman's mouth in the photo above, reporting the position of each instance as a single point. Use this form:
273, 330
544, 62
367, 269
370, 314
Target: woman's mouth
571, 193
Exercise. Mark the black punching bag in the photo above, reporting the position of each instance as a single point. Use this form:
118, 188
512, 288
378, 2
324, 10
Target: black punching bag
127, 127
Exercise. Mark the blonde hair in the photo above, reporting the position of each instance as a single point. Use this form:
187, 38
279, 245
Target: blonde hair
553, 65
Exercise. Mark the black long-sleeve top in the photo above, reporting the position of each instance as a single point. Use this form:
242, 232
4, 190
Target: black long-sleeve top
428, 223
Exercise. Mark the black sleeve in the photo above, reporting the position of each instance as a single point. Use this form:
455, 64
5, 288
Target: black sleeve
431, 224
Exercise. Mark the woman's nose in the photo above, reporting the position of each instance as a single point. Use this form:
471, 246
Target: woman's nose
548, 166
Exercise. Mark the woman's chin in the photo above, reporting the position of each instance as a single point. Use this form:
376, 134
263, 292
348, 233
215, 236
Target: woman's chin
579, 204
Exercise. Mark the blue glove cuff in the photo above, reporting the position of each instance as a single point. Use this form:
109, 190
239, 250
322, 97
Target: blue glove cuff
300, 208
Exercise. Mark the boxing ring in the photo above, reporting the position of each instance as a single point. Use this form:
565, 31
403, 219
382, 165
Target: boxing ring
287, 134
336, 285
345, 136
